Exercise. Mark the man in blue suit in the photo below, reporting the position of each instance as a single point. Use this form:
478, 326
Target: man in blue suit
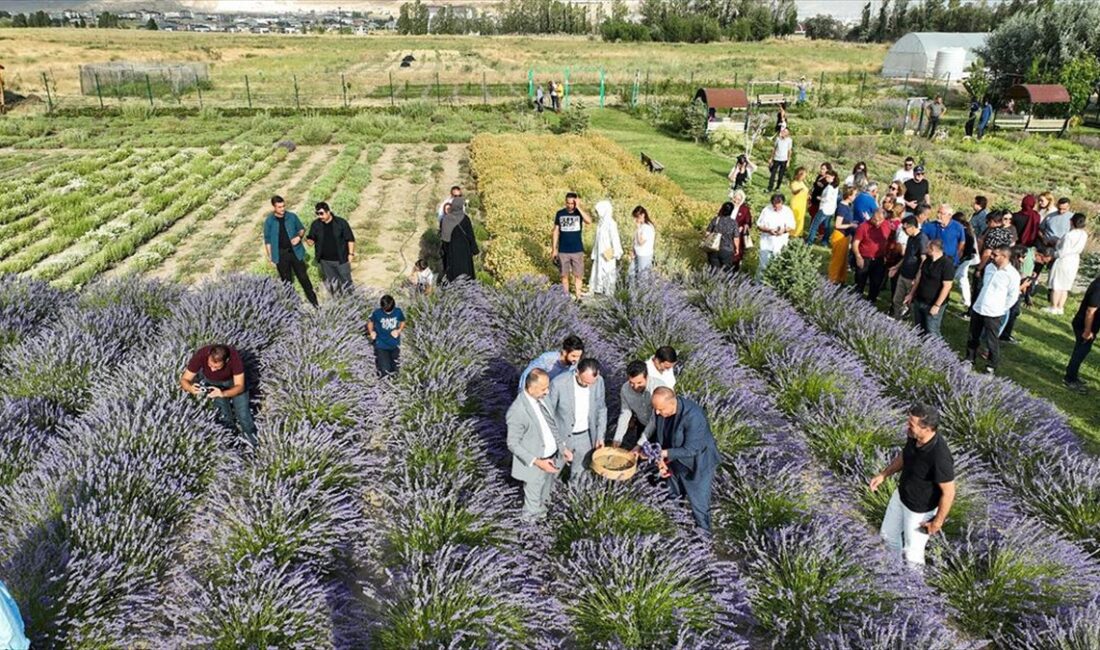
689, 453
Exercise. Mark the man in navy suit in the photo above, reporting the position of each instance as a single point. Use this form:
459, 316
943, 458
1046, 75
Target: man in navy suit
689, 453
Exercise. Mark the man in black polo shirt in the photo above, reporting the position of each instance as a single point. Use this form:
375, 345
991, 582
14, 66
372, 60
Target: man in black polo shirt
925, 491
335, 244
931, 289
1086, 324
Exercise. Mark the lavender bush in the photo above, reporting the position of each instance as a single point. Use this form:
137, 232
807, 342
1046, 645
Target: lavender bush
646, 591
1071, 629
459, 598
29, 423
27, 306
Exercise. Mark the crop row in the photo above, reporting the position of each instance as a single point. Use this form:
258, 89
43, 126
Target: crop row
522, 181
56, 227
95, 174
133, 228
981, 569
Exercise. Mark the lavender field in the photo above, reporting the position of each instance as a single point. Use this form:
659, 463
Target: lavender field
379, 514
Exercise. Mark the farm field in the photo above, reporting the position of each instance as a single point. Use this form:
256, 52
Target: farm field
320, 64
381, 514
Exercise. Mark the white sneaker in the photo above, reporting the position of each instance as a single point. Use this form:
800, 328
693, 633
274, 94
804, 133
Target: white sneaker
1050, 310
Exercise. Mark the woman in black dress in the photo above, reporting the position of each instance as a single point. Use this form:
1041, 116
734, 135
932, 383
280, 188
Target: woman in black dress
459, 243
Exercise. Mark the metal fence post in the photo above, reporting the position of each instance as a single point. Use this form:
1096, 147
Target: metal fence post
602, 87
821, 90
198, 89
248, 91
484, 89
645, 95
49, 97
946, 83
297, 103
438, 99
98, 90
862, 83
344, 89
735, 79
149, 89
906, 83
777, 79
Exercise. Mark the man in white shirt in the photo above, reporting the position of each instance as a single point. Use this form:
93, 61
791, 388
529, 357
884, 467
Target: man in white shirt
1000, 291
456, 192
781, 157
660, 367
906, 172
774, 224
577, 403
538, 449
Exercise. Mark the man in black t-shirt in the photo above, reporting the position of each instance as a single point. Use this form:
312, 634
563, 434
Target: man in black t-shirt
931, 289
916, 190
216, 372
924, 494
916, 248
1086, 324
335, 244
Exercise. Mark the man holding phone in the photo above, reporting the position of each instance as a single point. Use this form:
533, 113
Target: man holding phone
567, 246
926, 489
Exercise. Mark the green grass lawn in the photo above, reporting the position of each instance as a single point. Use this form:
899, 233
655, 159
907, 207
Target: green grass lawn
1037, 362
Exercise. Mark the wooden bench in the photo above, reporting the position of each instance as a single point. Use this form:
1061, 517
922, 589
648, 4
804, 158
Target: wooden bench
737, 126
1045, 125
651, 164
1011, 122
771, 100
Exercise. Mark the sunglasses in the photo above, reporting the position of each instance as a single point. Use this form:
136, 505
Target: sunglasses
320, 213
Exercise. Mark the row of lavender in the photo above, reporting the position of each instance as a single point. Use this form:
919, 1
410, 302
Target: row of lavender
999, 571
94, 519
816, 576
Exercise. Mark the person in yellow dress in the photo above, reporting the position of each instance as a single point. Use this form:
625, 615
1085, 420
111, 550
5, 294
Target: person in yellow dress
842, 237
800, 196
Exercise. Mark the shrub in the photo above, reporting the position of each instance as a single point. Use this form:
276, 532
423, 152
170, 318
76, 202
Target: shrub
793, 273
574, 120
595, 509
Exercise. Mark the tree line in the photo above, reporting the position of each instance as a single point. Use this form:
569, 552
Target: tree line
896, 18
104, 20
694, 21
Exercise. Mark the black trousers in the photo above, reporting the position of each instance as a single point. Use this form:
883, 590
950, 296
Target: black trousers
1080, 351
720, 260
872, 276
386, 361
289, 267
933, 124
778, 171
984, 327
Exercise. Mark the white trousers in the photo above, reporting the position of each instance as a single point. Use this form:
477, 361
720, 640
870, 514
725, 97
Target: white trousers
902, 532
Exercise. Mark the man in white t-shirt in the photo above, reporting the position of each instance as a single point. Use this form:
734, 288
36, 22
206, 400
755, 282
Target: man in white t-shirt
781, 157
660, 367
774, 224
906, 172
456, 192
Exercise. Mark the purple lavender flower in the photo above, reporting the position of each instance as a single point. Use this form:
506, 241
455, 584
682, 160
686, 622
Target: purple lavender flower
27, 306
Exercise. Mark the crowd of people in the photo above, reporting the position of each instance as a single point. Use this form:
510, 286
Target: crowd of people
899, 241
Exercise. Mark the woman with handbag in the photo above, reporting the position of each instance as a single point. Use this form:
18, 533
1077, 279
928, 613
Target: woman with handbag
606, 251
721, 238
743, 216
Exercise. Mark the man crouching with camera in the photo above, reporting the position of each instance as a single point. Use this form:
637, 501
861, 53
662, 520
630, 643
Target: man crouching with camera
216, 372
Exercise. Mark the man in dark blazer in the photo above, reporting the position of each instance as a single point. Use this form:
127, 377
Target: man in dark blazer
689, 453
538, 449
579, 408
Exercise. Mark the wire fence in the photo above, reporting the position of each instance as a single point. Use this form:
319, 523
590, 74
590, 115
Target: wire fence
375, 88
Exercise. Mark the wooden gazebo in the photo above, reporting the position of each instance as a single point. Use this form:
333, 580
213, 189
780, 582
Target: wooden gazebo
1035, 95
723, 99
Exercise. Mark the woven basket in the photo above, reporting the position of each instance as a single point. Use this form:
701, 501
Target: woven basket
614, 463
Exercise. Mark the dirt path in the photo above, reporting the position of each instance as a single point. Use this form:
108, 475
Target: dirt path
243, 245
397, 207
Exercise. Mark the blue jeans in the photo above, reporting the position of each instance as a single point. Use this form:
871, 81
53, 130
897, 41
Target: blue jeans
820, 219
925, 320
764, 258
232, 409
386, 360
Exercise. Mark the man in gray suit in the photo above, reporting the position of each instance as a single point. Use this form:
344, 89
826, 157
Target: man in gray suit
580, 411
537, 447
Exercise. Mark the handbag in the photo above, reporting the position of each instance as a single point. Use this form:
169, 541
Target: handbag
711, 241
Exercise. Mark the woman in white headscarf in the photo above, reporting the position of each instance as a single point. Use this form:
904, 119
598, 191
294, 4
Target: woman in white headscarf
606, 251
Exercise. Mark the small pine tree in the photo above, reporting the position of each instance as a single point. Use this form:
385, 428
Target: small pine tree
793, 273
151, 25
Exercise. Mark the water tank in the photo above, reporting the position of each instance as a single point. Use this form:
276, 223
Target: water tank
950, 63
